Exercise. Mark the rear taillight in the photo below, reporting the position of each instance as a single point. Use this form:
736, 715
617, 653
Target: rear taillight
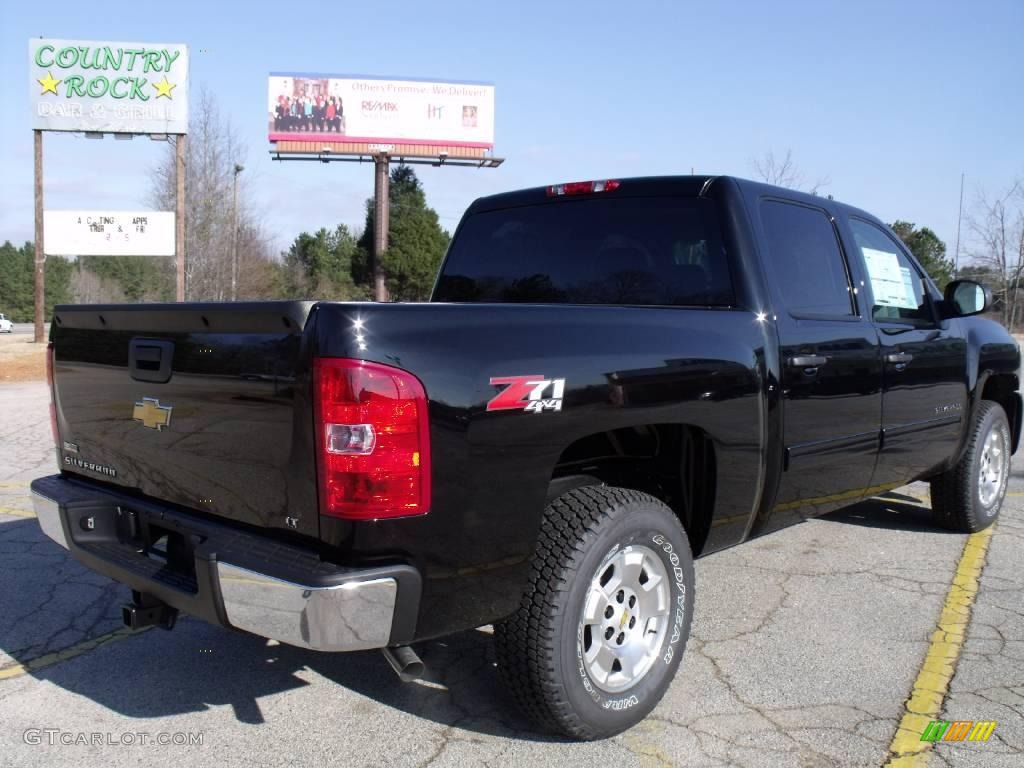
582, 187
53, 397
373, 443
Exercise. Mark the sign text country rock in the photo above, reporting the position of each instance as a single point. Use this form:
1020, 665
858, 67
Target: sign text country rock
108, 87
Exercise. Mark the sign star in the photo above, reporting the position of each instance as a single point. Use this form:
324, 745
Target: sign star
49, 84
163, 88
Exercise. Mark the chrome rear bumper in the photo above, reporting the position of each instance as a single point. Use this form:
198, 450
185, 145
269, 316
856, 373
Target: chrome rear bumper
242, 580
346, 617
48, 514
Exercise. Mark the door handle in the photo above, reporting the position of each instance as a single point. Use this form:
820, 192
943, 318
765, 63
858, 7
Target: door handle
900, 358
808, 361
150, 359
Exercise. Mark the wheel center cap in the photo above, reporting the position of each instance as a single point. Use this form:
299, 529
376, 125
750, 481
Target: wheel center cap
625, 618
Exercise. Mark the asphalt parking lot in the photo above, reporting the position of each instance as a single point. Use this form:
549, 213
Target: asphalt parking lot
806, 646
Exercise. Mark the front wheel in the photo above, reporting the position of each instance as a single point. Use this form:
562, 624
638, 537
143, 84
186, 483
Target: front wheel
602, 625
968, 496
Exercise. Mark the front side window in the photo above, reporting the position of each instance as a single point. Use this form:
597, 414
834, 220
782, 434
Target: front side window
806, 260
897, 286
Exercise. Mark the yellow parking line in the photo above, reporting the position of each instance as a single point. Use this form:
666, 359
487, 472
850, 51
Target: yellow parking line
1015, 493
14, 483
932, 683
16, 512
17, 670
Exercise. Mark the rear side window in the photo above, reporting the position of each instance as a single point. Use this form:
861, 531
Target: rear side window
647, 251
806, 260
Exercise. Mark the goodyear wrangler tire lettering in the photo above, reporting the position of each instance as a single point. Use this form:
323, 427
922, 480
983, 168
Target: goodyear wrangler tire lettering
621, 703
680, 601
557, 655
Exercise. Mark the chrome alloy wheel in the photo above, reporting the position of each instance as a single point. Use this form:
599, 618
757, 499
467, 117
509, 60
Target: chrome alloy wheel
993, 470
625, 618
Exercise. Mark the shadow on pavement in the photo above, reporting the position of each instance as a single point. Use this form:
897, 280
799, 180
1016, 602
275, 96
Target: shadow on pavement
888, 513
198, 666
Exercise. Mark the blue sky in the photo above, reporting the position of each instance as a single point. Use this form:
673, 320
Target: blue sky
889, 100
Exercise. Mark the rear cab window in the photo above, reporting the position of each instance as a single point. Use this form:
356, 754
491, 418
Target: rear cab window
654, 251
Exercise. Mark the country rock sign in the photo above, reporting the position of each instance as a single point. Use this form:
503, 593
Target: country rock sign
123, 65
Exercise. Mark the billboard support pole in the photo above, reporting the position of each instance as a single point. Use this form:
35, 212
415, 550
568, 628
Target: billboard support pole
40, 260
179, 215
381, 211
234, 235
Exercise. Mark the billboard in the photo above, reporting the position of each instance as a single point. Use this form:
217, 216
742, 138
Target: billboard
350, 109
82, 85
108, 233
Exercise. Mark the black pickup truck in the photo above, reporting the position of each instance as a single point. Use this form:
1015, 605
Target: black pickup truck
611, 377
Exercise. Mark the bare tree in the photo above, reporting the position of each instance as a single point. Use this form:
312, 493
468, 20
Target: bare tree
213, 150
997, 226
89, 288
784, 173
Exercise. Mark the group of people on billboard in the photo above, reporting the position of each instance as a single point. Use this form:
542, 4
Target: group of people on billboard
309, 112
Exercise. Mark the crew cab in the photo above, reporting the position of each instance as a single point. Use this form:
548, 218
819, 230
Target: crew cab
611, 378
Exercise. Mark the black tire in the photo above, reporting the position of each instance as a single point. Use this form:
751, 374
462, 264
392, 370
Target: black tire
540, 647
957, 502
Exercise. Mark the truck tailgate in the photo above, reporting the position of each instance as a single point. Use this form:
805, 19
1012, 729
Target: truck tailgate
201, 405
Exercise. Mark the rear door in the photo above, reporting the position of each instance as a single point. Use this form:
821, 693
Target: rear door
200, 405
831, 376
924, 362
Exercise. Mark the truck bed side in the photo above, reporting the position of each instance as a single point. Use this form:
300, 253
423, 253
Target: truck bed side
625, 368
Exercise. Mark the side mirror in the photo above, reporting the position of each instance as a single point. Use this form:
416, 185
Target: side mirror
966, 297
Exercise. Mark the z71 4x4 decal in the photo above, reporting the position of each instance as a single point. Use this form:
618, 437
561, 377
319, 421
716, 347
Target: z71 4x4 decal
527, 393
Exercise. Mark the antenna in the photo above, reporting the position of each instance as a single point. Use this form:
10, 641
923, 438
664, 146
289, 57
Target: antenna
960, 215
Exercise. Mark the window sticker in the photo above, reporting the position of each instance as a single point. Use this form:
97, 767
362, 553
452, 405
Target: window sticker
908, 285
891, 284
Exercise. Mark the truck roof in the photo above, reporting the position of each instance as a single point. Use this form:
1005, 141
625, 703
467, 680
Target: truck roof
644, 186
637, 186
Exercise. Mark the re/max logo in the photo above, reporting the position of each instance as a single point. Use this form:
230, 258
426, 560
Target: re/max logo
379, 106
958, 730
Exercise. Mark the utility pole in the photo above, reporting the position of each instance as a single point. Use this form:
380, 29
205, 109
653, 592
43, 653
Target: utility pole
381, 210
234, 236
959, 218
40, 252
179, 214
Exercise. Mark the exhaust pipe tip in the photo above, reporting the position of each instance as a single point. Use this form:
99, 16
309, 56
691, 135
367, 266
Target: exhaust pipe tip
406, 663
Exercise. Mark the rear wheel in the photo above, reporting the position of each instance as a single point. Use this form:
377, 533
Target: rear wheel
602, 625
968, 496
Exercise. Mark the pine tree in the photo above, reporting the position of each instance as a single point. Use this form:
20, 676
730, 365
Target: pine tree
320, 265
928, 249
416, 241
17, 282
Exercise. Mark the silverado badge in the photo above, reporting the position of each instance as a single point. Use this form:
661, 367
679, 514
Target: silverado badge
152, 414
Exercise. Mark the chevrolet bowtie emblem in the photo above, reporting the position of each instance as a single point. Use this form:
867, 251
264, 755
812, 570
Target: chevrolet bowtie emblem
152, 414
